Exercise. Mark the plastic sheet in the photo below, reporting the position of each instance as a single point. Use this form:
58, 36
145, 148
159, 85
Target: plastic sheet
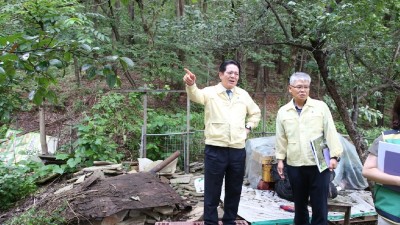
348, 173
199, 184
258, 149
25, 147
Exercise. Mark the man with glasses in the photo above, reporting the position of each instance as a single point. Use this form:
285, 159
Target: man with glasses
229, 115
297, 123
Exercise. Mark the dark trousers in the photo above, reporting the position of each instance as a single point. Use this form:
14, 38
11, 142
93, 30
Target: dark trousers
307, 182
220, 162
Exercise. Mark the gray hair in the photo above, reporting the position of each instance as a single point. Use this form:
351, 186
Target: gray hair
299, 76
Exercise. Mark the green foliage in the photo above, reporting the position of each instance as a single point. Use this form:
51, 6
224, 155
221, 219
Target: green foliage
270, 125
174, 124
372, 133
197, 120
49, 33
9, 102
114, 120
329, 101
157, 64
41, 171
115, 123
369, 114
3, 131
340, 127
366, 114
34, 217
16, 182
93, 143
160, 122
123, 115
78, 105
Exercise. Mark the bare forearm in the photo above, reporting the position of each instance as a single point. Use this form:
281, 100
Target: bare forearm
371, 172
378, 176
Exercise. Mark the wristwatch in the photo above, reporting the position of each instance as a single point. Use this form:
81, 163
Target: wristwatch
337, 158
247, 127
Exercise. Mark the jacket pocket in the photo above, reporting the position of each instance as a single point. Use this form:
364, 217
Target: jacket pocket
315, 121
217, 132
238, 135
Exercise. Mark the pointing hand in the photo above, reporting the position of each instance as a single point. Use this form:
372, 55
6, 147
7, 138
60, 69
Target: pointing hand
189, 78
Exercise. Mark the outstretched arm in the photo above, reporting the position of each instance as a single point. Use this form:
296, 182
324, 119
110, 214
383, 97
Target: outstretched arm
194, 93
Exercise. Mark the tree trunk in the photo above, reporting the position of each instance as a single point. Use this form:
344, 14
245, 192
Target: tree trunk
95, 20
354, 105
115, 14
130, 79
110, 13
145, 25
380, 105
131, 10
203, 6
114, 25
77, 71
180, 6
259, 71
321, 57
42, 125
267, 80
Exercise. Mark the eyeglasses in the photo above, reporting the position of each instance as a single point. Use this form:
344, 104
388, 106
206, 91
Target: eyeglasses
230, 73
300, 87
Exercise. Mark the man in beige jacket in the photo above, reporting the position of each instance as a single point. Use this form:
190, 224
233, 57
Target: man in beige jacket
297, 123
230, 114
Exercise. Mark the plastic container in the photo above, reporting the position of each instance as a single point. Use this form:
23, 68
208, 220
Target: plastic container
266, 169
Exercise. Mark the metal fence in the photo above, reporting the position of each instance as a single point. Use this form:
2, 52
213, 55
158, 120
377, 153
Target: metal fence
190, 143
192, 151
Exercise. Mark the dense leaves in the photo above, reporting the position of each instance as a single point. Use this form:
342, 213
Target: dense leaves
15, 183
36, 53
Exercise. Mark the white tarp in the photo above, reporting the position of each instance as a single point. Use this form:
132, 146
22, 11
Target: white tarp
15, 148
256, 150
348, 173
262, 207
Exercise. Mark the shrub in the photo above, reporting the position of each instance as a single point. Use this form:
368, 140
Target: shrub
15, 184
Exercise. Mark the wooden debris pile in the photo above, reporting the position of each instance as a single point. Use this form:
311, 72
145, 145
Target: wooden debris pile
116, 194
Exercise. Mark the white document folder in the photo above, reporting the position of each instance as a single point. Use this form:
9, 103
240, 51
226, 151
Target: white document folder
388, 160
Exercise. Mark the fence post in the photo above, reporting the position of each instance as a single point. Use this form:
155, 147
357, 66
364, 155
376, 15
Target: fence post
187, 149
143, 152
265, 111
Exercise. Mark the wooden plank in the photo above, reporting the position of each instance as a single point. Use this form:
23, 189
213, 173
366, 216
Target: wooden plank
341, 207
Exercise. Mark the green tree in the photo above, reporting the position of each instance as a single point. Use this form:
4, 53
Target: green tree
339, 37
343, 42
41, 38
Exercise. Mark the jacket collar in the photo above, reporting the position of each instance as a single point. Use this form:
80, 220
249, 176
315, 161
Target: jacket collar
222, 89
309, 103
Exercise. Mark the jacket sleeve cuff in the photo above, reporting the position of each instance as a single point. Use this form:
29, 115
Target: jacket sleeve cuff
280, 156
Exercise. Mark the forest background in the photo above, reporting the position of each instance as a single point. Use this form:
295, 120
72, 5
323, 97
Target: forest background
75, 64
